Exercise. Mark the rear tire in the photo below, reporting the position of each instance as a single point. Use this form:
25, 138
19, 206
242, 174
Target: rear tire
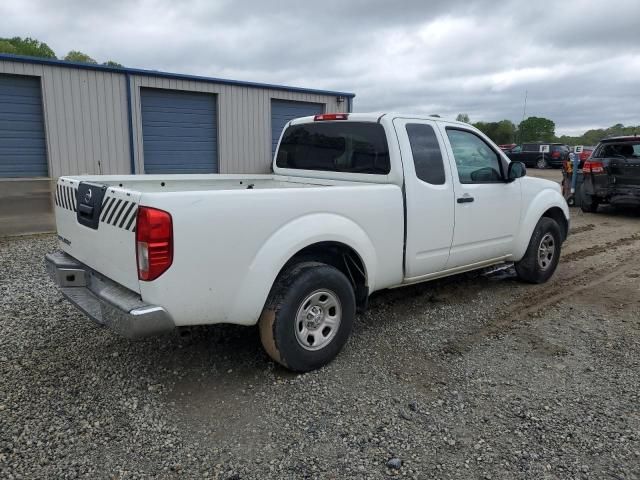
542, 163
589, 203
542, 255
308, 316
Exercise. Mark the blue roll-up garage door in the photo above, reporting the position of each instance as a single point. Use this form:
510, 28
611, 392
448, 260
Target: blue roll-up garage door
179, 131
284, 110
23, 151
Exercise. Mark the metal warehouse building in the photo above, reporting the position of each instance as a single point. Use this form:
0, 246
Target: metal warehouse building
62, 118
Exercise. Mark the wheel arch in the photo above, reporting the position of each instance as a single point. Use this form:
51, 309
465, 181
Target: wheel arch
547, 203
341, 256
556, 213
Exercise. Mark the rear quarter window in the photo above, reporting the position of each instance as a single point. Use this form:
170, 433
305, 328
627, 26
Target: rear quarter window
350, 147
427, 157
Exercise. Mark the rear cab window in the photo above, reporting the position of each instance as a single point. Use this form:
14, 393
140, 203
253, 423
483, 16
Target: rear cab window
427, 157
338, 146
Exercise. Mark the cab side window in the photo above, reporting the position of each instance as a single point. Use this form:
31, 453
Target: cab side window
427, 157
476, 161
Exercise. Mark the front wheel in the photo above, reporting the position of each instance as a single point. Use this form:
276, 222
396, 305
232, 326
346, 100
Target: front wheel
542, 255
308, 316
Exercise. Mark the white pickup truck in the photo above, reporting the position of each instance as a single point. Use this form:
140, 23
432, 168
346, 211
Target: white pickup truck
356, 203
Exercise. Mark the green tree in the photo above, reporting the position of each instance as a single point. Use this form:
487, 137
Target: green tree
7, 47
111, 63
76, 56
463, 117
592, 137
505, 132
500, 132
26, 46
535, 129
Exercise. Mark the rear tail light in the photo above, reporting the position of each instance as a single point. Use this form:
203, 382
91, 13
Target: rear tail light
555, 154
154, 242
331, 116
591, 166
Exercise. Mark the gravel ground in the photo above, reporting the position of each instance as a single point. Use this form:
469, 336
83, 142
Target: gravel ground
477, 376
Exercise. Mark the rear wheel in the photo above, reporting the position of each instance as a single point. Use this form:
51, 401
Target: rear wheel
308, 316
542, 255
542, 163
589, 203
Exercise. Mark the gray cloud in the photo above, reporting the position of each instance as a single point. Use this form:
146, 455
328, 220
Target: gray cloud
578, 60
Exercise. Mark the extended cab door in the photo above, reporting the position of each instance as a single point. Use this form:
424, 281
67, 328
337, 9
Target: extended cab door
429, 197
487, 208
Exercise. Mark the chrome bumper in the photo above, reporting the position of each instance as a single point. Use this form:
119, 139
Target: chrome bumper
107, 303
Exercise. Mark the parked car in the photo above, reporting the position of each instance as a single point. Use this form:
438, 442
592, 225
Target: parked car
507, 147
612, 174
357, 203
530, 155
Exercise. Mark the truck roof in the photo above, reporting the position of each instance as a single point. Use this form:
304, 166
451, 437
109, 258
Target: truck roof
624, 138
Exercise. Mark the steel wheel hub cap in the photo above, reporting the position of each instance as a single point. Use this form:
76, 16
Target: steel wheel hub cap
546, 251
318, 319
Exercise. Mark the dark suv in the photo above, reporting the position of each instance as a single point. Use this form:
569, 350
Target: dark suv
530, 155
612, 174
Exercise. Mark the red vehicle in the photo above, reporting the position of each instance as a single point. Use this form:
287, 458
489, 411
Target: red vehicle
586, 153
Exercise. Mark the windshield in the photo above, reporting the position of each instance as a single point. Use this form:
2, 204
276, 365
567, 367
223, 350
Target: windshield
353, 147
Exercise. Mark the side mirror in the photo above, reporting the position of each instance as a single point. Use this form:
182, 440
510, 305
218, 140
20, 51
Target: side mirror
516, 170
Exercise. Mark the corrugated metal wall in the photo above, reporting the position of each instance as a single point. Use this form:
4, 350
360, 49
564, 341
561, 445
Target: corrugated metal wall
87, 125
85, 118
244, 120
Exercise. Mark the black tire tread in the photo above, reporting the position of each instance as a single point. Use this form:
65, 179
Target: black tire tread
527, 268
274, 321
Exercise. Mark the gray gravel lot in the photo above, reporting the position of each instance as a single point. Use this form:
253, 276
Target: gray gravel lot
477, 376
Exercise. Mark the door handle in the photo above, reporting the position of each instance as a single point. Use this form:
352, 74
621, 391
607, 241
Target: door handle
465, 200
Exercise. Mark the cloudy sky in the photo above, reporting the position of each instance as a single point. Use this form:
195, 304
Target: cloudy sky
578, 60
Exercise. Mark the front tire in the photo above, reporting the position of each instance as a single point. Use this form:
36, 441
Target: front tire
543, 253
308, 316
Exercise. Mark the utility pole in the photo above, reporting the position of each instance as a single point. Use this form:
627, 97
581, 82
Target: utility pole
524, 112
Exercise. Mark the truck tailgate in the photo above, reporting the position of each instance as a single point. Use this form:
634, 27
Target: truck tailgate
96, 225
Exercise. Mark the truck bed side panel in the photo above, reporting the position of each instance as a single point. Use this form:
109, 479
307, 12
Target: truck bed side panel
230, 245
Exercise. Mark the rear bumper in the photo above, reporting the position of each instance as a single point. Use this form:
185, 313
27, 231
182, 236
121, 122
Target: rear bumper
107, 303
610, 192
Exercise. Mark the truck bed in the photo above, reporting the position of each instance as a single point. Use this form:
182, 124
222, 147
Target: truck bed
193, 183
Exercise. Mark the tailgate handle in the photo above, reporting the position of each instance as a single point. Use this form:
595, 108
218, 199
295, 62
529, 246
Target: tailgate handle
85, 210
90, 197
